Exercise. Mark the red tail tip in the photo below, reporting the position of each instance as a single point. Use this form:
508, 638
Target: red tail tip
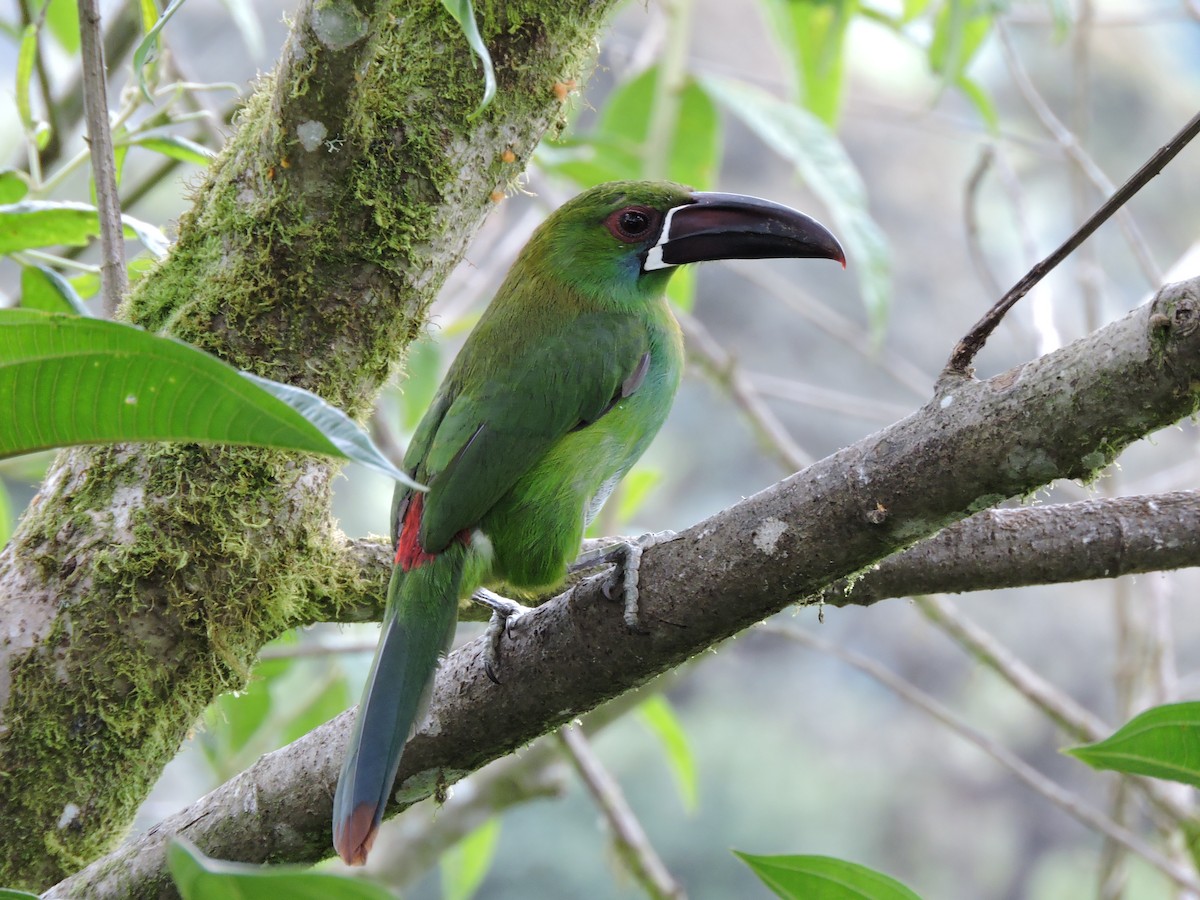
353, 836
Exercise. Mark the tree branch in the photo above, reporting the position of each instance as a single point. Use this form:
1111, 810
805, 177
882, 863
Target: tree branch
1068, 414
1006, 548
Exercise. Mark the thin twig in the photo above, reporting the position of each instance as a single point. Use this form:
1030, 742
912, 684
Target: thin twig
1072, 718
967, 348
632, 843
979, 260
818, 397
113, 278
1034, 779
1069, 141
837, 326
723, 368
38, 157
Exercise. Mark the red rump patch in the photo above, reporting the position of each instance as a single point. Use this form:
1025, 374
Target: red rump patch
409, 552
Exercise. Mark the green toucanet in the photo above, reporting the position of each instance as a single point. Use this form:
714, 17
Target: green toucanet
555, 394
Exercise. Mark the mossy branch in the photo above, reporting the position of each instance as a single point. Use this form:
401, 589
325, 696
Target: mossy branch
142, 581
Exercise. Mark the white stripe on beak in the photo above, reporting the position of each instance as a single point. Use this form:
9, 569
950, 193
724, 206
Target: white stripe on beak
654, 256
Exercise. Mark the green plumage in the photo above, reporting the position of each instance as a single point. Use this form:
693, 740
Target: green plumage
560, 388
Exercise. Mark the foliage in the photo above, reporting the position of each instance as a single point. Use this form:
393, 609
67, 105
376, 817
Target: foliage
823, 878
119, 383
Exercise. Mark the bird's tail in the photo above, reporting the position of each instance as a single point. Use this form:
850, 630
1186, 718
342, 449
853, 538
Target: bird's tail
417, 629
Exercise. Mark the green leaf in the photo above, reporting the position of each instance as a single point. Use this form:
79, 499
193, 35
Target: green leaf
464, 15
147, 49
43, 223
177, 148
635, 487
658, 715
62, 20
10, 894
6, 515
199, 877
151, 237
813, 35
798, 136
330, 699
959, 30
616, 148
466, 864
13, 186
823, 878
26, 56
45, 289
1163, 742
982, 102
68, 380
422, 375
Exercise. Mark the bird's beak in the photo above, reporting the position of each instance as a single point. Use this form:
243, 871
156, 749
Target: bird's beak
733, 226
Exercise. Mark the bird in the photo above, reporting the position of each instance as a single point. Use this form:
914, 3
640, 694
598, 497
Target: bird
557, 391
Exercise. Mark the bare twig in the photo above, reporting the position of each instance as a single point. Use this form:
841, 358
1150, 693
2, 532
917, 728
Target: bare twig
1072, 718
819, 397
964, 353
1057, 705
837, 326
724, 369
632, 844
1069, 141
979, 260
1034, 779
113, 278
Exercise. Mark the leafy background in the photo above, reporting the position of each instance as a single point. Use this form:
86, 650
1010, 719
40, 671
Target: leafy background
767, 746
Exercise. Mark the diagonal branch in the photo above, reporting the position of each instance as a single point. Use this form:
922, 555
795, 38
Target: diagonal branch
837, 517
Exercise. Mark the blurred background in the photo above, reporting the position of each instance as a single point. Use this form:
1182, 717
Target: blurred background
951, 146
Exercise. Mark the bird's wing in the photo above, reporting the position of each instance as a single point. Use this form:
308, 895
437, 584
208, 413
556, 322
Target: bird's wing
501, 423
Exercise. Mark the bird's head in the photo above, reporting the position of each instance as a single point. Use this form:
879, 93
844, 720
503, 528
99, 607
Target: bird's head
626, 237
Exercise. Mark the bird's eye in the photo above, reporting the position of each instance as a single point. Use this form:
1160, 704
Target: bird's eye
633, 223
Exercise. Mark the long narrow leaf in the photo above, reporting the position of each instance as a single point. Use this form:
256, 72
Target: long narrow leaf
657, 713
465, 865
26, 55
800, 137
147, 49
68, 380
464, 15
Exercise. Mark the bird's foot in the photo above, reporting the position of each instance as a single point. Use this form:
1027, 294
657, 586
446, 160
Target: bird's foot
505, 614
626, 559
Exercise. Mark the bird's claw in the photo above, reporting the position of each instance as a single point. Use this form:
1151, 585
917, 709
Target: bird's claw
625, 557
505, 614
